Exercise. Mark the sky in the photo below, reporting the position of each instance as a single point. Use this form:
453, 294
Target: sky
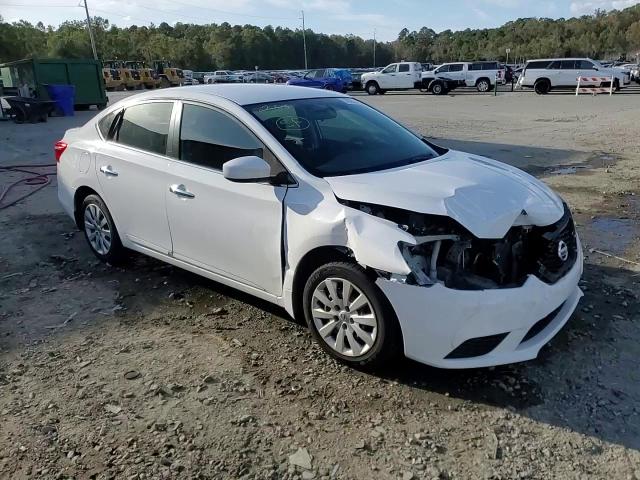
359, 17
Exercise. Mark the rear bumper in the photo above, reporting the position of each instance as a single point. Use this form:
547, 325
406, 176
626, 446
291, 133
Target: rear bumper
435, 321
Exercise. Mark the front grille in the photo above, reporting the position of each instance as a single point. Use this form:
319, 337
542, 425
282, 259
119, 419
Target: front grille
551, 265
540, 325
476, 347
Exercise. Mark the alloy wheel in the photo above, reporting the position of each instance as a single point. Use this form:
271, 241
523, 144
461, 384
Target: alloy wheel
97, 228
344, 317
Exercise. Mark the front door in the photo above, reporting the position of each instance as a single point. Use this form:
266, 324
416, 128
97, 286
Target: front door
132, 171
387, 77
232, 229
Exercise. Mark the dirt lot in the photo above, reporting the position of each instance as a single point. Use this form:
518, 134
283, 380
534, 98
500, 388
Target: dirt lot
151, 372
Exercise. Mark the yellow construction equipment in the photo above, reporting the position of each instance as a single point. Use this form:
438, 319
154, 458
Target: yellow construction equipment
169, 76
112, 80
131, 78
148, 76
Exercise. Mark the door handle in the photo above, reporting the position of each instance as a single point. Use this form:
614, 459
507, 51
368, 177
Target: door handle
181, 191
108, 170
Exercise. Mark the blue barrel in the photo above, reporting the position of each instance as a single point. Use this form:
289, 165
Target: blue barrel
64, 96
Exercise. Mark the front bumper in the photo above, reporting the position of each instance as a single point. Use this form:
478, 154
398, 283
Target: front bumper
436, 320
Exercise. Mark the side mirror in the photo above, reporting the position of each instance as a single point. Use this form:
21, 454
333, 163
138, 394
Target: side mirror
246, 169
595, 68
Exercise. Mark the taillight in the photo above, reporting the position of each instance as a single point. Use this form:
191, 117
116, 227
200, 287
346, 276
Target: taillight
59, 148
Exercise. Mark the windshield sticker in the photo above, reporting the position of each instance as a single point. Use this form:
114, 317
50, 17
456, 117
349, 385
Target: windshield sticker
270, 108
292, 123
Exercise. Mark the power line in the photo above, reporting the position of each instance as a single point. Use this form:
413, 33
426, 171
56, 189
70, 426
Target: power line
31, 5
236, 14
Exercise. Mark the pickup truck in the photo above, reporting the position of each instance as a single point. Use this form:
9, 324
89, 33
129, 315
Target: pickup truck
449, 76
397, 76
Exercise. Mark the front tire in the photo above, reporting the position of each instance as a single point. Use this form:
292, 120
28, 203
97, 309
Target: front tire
349, 316
372, 88
100, 231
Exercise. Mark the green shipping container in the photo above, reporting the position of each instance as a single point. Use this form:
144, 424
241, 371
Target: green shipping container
85, 74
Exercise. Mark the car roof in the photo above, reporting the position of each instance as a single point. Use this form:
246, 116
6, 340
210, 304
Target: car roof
242, 94
557, 58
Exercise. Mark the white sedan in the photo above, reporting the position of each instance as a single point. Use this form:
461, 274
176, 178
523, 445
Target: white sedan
384, 242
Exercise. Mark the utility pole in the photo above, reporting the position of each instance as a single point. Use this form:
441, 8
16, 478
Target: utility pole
304, 41
93, 40
374, 48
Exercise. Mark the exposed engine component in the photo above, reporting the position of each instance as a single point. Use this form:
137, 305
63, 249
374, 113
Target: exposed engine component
448, 253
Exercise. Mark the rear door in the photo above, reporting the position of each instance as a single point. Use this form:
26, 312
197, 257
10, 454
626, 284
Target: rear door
569, 73
405, 76
132, 169
229, 228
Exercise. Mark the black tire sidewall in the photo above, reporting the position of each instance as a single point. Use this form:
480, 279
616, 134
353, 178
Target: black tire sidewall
386, 344
116, 251
542, 87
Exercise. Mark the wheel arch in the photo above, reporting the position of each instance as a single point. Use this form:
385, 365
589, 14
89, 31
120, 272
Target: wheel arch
479, 79
311, 260
78, 197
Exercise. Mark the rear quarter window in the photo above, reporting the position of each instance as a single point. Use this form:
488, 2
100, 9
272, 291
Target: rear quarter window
104, 124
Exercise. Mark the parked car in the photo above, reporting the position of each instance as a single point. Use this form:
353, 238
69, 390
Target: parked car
634, 71
222, 76
384, 242
335, 79
258, 77
188, 77
199, 77
544, 75
449, 76
396, 76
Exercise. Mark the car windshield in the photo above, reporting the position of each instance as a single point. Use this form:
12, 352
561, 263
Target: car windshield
340, 136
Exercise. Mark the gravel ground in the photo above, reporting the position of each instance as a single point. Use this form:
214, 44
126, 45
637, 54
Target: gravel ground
147, 371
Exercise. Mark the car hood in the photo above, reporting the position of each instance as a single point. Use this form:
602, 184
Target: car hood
485, 196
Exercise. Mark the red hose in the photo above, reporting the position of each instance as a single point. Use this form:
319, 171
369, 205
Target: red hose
37, 179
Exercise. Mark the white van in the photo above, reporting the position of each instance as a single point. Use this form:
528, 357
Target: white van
544, 75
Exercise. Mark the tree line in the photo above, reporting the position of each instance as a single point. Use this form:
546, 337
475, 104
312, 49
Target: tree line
614, 34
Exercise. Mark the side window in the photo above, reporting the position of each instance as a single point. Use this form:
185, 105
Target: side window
321, 73
403, 67
104, 125
490, 66
456, 67
537, 65
443, 69
475, 66
146, 127
584, 65
209, 138
568, 65
391, 68
554, 65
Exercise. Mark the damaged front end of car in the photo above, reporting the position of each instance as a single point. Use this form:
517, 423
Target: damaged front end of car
445, 252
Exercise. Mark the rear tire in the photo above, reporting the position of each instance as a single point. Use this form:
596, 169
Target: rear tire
372, 88
483, 85
100, 231
360, 330
164, 82
542, 87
